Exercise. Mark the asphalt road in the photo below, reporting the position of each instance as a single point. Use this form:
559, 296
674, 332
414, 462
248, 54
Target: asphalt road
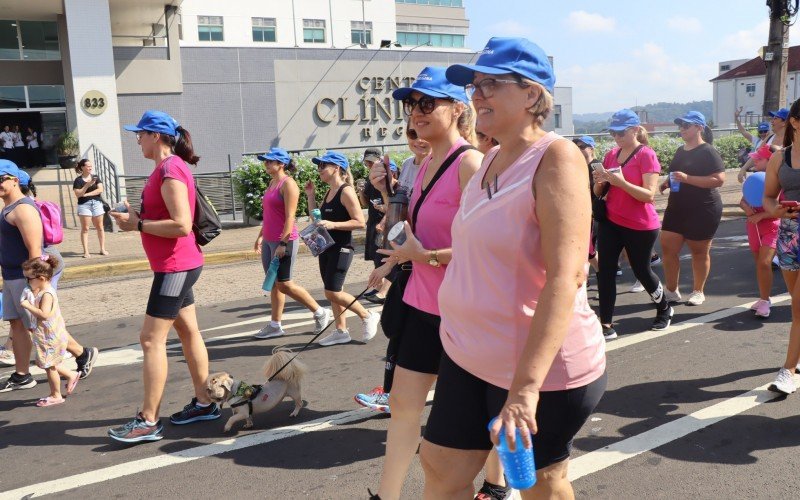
685, 415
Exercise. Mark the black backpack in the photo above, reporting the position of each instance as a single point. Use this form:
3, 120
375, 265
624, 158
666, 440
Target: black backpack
206, 225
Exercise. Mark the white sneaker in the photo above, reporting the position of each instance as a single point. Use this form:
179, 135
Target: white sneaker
696, 298
784, 382
269, 332
371, 326
762, 311
637, 287
7, 357
336, 337
672, 297
323, 320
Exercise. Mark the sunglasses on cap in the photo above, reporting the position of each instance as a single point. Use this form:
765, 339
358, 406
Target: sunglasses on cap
426, 104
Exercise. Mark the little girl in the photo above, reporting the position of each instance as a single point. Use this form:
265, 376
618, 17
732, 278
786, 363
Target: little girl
50, 333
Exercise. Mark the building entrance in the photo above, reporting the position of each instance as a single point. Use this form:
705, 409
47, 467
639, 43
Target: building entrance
46, 127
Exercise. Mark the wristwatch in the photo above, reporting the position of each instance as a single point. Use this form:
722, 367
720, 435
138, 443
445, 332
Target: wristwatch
139, 225
434, 260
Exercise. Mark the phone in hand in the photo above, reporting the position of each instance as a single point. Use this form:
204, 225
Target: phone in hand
597, 167
790, 204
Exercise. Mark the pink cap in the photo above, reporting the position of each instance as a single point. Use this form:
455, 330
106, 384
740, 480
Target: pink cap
762, 153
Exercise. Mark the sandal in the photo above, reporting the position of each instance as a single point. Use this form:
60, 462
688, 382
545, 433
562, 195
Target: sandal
50, 401
71, 384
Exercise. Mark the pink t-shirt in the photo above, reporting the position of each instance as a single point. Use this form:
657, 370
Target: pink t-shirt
492, 286
622, 208
168, 255
274, 210
433, 230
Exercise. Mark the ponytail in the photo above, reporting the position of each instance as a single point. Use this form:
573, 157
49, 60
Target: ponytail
707, 135
29, 190
641, 135
79, 166
466, 124
347, 176
45, 265
291, 166
182, 145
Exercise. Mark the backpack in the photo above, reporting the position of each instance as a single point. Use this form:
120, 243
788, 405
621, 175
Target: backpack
206, 225
51, 222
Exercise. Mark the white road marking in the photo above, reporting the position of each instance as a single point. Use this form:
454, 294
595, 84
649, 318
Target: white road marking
635, 445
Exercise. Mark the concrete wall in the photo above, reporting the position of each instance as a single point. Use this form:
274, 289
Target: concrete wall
31, 73
430, 14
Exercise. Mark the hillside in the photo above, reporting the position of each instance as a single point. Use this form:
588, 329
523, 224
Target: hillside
656, 113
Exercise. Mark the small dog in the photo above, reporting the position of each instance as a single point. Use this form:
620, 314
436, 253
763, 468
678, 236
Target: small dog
222, 388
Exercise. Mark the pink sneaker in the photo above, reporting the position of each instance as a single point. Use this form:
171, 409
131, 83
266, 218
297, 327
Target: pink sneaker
762, 311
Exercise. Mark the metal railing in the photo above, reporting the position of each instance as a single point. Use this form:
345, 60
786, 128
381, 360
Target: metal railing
106, 170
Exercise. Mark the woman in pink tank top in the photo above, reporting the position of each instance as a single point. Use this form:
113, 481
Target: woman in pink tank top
521, 342
278, 238
439, 111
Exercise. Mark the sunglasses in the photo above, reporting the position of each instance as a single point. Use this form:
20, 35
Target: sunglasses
582, 146
617, 133
6, 178
29, 279
323, 166
412, 134
685, 126
426, 104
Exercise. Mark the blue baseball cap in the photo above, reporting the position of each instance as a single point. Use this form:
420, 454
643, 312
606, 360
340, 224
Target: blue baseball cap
782, 113
334, 158
692, 118
276, 154
8, 167
432, 82
624, 119
24, 178
155, 121
507, 55
586, 139
763, 127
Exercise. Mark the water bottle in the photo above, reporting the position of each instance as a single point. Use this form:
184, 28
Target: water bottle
519, 466
272, 274
674, 185
397, 212
316, 215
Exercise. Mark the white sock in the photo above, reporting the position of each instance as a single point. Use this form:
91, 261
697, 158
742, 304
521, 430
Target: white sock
149, 423
201, 405
319, 312
275, 324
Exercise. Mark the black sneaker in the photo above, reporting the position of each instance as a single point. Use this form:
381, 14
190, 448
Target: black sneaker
137, 431
86, 361
376, 299
491, 491
193, 413
663, 319
370, 293
17, 381
609, 333
655, 259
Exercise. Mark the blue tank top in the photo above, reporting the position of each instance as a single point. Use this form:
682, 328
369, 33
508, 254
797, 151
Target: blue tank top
13, 251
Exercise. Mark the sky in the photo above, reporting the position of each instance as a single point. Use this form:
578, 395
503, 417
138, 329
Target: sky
620, 53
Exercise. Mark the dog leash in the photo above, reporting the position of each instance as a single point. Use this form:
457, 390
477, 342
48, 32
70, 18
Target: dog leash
317, 336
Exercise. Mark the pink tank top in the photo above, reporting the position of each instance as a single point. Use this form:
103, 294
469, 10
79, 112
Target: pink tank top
275, 214
489, 294
433, 230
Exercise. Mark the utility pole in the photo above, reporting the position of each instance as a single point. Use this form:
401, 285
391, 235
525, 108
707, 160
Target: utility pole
776, 56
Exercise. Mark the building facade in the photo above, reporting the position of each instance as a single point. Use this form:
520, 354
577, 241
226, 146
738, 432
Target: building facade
240, 75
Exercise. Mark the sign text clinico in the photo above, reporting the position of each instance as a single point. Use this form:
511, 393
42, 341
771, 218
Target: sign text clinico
376, 111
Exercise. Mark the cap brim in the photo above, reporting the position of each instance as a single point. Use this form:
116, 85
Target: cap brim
262, 158
462, 74
132, 128
316, 160
404, 92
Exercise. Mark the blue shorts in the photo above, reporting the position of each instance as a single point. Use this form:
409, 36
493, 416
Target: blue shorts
91, 208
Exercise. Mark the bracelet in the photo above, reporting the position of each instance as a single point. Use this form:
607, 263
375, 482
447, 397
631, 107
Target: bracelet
139, 225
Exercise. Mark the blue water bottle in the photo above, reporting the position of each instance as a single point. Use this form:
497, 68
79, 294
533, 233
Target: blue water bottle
519, 465
272, 274
674, 185
316, 215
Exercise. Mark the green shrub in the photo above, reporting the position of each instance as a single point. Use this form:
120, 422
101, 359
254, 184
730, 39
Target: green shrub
729, 147
251, 180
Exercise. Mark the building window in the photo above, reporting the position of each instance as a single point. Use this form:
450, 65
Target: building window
361, 32
724, 67
46, 96
12, 97
557, 116
750, 88
435, 36
39, 40
210, 29
264, 29
9, 43
441, 3
314, 30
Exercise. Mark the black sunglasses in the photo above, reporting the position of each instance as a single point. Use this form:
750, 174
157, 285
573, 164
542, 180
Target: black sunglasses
31, 278
6, 178
685, 125
617, 133
426, 104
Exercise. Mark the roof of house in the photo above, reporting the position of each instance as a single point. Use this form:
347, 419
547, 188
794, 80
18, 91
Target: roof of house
756, 67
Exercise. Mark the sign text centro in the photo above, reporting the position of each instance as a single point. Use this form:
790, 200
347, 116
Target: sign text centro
379, 114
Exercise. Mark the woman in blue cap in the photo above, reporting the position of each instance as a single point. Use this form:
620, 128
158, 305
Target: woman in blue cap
440, 114
694, 207
278, 238
165, 223
341, 215
520, 340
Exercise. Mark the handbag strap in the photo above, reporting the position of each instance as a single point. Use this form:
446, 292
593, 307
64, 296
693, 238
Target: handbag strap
442, 169
621, 165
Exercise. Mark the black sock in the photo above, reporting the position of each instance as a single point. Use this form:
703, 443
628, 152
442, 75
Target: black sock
83, 357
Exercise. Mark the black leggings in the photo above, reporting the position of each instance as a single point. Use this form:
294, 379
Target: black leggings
612, 238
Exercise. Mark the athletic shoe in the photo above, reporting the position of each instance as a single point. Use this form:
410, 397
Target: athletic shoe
672, 297
696, 298
762, 311
16, 382
609, 333
655, 259
336, 337
371, 326
637, 287
269, 332
370, 293
797, 368
193, 413
376, 299
491, 491
376, 400
323, 320
86, 361
7, 357
755, 305
137, 431
619, 271
663, 319
784, 382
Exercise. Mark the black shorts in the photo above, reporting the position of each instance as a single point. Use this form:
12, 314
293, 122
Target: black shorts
698, 224
171, 292
333, 265
463, 405
420, 345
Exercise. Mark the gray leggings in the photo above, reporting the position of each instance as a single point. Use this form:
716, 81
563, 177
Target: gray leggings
268, 249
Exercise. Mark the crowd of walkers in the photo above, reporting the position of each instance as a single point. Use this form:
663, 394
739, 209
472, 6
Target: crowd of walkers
512, 339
